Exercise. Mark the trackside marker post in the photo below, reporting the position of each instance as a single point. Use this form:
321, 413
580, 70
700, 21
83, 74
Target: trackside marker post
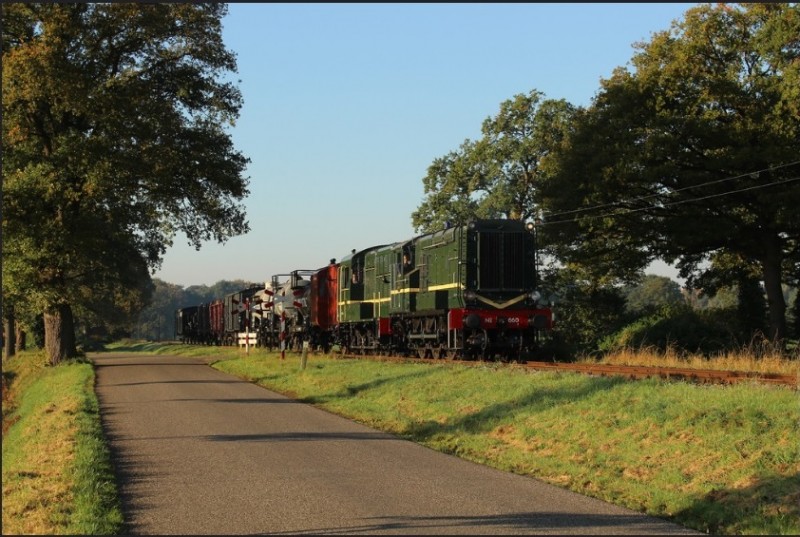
304, 355
283, 335
247, 327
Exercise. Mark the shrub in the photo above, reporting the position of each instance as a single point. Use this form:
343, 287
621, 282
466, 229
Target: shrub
679, 328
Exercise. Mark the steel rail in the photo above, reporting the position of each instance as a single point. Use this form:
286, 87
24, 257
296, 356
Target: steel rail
679, 373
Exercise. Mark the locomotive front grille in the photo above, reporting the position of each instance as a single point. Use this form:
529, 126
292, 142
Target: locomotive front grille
502, 260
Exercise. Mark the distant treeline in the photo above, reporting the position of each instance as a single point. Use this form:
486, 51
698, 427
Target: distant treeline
157, 321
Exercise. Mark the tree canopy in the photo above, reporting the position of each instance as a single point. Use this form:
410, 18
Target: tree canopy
692, 155
498, 175
652, 293
114, 139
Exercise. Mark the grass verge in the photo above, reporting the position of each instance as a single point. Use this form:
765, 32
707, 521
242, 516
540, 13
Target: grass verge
57, 475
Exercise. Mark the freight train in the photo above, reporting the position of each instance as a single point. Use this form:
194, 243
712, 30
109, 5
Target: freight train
465, 292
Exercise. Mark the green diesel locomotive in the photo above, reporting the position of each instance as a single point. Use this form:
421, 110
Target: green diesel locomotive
469, 291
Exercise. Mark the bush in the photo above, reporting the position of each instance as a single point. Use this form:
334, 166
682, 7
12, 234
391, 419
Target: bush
679, 328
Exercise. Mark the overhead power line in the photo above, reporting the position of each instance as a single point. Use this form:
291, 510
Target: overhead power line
548, 218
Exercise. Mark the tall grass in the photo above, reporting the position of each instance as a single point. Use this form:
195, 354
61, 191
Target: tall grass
757, 357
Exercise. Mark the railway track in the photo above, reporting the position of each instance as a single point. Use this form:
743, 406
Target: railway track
710, 376
697, 375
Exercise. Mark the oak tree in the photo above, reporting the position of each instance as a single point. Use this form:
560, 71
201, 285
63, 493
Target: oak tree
114, 139
692, 153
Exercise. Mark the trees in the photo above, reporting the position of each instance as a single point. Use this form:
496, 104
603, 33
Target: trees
113, 140
693, 155
587, 310
156, 321
652, 293
496, 176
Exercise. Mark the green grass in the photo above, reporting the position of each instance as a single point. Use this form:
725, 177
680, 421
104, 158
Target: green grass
57, 475
721, 459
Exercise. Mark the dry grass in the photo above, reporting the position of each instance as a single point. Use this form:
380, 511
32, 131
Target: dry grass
755, 358
36, 487
57, 477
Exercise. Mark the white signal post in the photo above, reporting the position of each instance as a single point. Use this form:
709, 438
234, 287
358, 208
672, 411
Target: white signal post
247, 326
283, 335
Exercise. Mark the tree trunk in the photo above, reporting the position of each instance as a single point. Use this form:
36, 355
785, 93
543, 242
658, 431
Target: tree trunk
59, 333
21, 336
772, 284
752, 308
9, 333
796, 312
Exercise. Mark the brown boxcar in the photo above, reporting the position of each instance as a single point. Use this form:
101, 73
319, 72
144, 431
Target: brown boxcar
216, 323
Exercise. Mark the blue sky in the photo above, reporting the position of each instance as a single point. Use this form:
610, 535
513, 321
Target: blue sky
346, 106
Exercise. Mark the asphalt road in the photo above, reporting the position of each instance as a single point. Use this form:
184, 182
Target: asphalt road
198, 451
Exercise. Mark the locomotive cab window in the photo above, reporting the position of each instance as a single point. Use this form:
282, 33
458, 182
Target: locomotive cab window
358, 273
406, 262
